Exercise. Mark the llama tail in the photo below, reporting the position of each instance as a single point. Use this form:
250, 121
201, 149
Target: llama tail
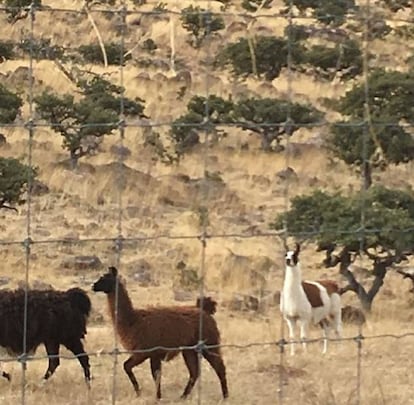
80, 300
209, 305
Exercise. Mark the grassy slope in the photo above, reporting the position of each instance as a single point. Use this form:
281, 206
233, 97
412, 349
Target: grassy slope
72, 208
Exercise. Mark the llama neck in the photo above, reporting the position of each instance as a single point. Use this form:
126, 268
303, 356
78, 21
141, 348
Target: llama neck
122, 312
293, 278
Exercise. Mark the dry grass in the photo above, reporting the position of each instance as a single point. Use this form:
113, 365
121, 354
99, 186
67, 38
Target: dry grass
84, 204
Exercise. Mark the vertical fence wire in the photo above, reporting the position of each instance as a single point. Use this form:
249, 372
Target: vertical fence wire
204, 212
120, 188
288, 123
204, 193
366, 120
27, 242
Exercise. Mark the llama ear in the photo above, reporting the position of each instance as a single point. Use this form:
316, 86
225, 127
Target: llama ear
113, 270
297, 250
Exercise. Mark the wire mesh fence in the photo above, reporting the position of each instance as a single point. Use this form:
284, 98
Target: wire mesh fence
125, 238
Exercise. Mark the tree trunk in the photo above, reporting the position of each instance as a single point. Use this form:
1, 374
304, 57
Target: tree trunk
367, 174
365, 297
267, 138
353, 285
266, 142
74, 157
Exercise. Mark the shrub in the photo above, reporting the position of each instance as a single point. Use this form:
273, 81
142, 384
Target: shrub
14, 180
271, 54
200, 23
115, 53
6, 50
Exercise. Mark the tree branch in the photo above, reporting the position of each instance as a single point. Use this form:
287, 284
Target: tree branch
7, 207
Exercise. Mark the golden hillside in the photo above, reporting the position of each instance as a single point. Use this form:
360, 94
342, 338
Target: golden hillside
158, 208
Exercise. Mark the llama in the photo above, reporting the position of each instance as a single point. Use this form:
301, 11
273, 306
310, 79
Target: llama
160, 329
303, 302
54, 318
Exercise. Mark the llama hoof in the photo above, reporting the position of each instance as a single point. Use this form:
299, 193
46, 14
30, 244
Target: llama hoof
7, 376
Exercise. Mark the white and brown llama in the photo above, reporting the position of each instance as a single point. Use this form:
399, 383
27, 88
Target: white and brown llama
306, 302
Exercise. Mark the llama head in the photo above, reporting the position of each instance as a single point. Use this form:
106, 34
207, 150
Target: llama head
292, 256
107, 282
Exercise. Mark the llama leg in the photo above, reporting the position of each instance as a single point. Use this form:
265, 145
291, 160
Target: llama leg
6, 375
291, 327
52, 349
191, 361
134, 360
338, 324
156, 373
76, 347
214, 358
325, 331
303, 333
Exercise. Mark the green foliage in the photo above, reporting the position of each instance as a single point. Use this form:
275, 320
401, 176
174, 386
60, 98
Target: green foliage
327, 12
349, 142
18, 9
92, 53
405, 32
10, 104
333, 12
96, 114
271, 54
14, 180
336, 219
390, 98
91, 3
185, 130
395, 5
200, 23
296, 33
186, 277
6, 50
253, 5
149, 45
390, 95
267, 118
109, 96
346, 57
41, 49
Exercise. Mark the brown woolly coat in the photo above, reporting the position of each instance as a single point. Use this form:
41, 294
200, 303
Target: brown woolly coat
166, 327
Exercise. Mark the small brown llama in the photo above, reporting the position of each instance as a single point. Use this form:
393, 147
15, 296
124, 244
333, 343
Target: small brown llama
163, 328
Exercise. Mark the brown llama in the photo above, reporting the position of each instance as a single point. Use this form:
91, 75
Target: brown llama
54, 318
160, 331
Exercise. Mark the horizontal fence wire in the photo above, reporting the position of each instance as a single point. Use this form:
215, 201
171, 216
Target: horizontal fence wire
165, 12
201, 346
33, 125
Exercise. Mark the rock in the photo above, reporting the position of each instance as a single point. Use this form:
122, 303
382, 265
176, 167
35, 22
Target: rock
96, 317
83, 263
120, 151
41, 285
142, 272
42, 232
243, 302
71, 237
183, 295
353, 315
38, 188
287, 174
4, 280
3, 139
269, 299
